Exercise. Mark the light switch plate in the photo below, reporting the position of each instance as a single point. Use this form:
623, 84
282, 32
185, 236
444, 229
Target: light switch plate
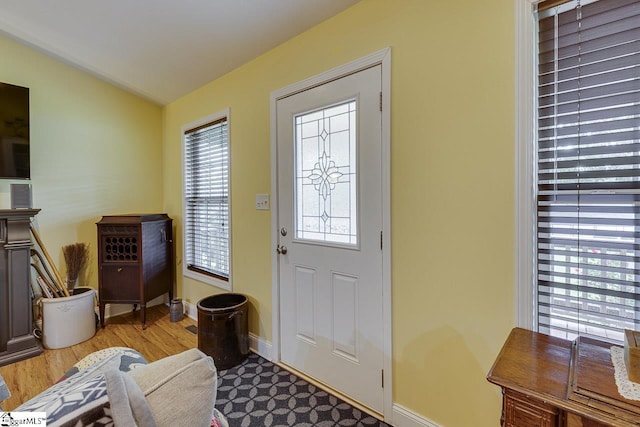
262, 202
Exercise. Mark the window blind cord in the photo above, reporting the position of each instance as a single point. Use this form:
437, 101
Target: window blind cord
556, 48
582, 283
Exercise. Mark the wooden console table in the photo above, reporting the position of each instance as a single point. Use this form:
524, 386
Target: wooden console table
551, 382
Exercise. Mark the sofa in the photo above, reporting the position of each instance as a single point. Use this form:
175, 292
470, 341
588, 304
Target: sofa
116, 386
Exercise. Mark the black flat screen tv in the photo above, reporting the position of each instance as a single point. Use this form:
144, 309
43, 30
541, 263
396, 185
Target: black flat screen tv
14, 132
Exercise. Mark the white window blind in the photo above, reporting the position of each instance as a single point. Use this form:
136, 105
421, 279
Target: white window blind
588, 175
206, 193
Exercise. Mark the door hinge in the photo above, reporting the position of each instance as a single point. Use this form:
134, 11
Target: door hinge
382, 376
380, 101
381, 240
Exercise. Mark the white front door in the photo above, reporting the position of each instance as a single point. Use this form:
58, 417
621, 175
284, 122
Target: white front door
329, 228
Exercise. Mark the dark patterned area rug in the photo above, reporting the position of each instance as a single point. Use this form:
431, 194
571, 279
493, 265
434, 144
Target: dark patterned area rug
259, 393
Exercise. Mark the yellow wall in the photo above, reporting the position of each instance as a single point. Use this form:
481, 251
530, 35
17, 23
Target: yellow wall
452, 185
95, 150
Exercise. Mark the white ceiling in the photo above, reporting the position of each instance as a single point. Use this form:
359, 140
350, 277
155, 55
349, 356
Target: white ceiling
160, 49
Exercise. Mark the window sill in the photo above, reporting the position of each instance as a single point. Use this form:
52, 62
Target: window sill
209, 280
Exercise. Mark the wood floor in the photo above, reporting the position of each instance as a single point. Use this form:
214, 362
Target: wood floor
162, 338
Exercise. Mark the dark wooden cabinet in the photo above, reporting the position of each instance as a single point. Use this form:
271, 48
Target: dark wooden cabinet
16, 320
135, 257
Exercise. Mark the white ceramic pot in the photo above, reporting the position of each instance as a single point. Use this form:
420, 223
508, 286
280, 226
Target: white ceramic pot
70, 320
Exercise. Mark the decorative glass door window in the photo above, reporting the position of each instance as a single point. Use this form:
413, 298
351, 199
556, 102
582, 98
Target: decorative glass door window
326, 198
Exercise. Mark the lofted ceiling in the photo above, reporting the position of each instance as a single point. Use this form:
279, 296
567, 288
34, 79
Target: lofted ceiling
160, 49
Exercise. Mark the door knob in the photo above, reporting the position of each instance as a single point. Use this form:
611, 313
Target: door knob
281, 249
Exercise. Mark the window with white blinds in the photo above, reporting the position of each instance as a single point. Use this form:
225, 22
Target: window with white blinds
206, 199
588, 169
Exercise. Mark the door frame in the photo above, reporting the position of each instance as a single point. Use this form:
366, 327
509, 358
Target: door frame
383, 58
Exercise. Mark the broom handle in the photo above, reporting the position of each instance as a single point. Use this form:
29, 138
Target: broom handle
51, 280
50, 261
52, 287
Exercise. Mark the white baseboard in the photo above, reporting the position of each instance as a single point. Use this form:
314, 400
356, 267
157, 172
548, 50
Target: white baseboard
403, 417
260, 346
191, 310
112, 310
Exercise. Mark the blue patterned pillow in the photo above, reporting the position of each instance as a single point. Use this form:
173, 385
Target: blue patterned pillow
77, 404
81, 399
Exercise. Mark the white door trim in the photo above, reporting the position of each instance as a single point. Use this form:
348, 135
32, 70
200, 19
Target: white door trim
383, 58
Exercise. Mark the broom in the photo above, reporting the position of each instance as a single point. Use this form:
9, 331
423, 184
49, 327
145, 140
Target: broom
76, 256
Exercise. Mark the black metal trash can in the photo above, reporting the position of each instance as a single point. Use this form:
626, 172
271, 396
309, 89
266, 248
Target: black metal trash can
223, 329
